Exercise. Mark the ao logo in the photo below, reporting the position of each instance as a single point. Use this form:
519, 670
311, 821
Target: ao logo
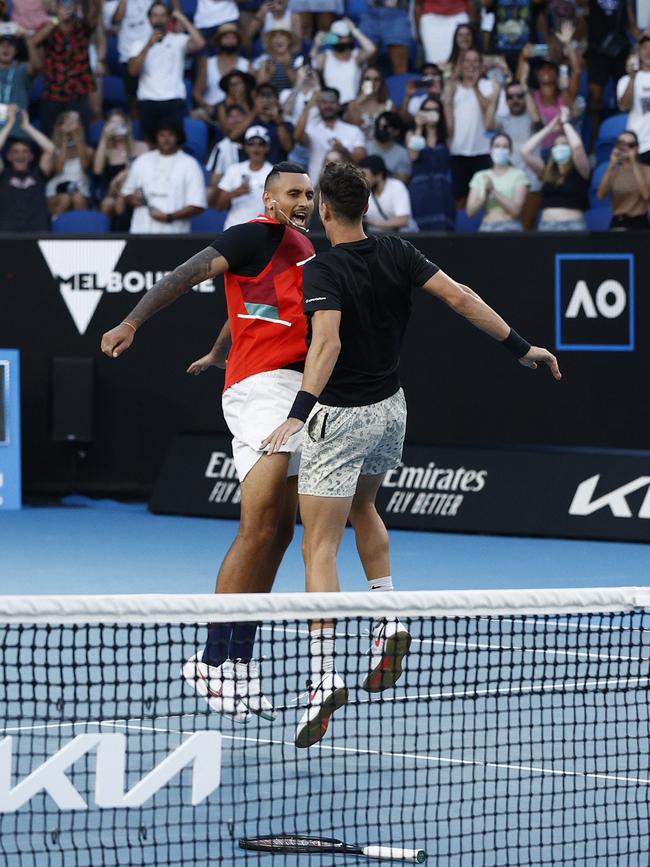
85, 270
609, 301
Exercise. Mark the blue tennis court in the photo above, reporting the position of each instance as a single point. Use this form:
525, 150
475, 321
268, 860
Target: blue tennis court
511, 739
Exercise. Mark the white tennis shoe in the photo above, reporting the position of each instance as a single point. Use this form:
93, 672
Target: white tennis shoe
248, 690
217, 685
389, 644
326, 696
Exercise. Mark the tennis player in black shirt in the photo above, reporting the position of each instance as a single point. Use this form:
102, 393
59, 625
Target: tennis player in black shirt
358, 301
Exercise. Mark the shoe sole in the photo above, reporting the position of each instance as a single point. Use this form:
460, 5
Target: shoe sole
200, 686
314, 730
389, 670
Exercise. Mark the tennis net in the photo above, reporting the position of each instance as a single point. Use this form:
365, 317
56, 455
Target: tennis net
517, 735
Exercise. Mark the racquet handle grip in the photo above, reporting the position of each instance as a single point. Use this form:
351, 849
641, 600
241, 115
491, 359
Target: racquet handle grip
416, 856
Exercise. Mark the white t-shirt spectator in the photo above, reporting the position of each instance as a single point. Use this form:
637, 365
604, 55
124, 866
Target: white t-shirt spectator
344, 75
223, 155
469, 139
163, 68
133, 30
212, 13
394, 201
168, 183
639, 117
244, 208
321, 140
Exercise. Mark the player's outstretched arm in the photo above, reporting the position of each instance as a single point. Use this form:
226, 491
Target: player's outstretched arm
471, 306
208, 263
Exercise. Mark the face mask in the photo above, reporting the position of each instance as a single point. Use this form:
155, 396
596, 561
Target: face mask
500, 156
561, 153
228, 49
383, 135
417, 143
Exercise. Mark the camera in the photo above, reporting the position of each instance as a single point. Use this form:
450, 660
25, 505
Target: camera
424, 83
8, 28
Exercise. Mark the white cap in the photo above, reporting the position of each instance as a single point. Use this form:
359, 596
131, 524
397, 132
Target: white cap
257, 132
340, 28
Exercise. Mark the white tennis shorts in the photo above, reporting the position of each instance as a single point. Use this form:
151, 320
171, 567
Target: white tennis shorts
253, 408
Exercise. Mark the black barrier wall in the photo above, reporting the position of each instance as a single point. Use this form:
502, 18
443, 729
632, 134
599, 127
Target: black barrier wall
584, 296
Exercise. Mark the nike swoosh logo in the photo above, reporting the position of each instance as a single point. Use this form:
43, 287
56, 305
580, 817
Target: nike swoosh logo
304, 261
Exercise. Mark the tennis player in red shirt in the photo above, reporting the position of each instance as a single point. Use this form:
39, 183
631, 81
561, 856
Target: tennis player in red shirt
265, 344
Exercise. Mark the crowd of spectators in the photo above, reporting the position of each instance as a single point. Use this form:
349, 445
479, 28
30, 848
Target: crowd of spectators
488, 115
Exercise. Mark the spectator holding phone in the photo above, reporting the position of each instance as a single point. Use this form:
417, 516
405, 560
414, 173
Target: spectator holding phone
416, 90
335, 55
23, 206
240, 189
65, 43
266, 113
500, 190
115, 152
565, 176
238, 88
371, 101
430, 185
633, 92
276, 66
627, 181
69, 189
160, 67
437, 22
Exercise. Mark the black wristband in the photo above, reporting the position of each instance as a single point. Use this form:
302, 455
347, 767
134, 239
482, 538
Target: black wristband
302, 405
516, 344
170, 218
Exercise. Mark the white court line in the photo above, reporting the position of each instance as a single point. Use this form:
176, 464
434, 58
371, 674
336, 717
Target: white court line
420, 757
578, 654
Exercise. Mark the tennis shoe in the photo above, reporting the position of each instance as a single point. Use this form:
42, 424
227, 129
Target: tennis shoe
389, 644
248, 690
325, 696
217, 685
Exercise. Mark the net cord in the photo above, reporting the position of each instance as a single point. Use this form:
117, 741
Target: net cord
278, 607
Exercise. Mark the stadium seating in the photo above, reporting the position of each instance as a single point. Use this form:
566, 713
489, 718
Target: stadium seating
114, 95
81, 223
397, 85
209, 221
609, 131
598, 219
465, 223
196, 135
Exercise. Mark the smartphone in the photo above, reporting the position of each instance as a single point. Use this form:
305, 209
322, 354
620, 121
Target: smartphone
423, 83
330, 39
540, 50
8, 28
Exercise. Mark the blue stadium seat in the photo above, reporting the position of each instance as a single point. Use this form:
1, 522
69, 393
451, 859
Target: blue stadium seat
598, 219
356, 8
188, 94
397, 85
95, 132
112, 56
465, 223
596, 177
81, 223
209, 221
609, 131
188, 7
114, 94
196, 135
36, 90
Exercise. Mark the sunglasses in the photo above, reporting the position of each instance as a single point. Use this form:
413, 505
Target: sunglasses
514, 96
626, 143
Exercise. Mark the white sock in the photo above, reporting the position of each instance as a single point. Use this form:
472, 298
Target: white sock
321, 648
381, 583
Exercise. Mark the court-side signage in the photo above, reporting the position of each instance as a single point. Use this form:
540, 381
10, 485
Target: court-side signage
110, 772
10, 476
594, 302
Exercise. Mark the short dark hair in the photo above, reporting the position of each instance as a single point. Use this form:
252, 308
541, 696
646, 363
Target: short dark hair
345, 189
157, 3
375, 164
284, 167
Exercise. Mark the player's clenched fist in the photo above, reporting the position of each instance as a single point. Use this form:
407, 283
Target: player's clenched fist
117, 340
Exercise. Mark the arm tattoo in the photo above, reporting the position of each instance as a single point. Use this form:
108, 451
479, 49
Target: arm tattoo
170, 287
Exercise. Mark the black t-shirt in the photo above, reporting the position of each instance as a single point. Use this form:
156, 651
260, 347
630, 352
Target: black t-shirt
370, 282
249, 247
23, 207
571, 192
606, 16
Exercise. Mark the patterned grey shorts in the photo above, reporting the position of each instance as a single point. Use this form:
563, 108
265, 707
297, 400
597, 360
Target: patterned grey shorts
343, 442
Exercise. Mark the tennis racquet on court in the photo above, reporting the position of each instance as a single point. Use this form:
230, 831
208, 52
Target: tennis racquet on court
293, 844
